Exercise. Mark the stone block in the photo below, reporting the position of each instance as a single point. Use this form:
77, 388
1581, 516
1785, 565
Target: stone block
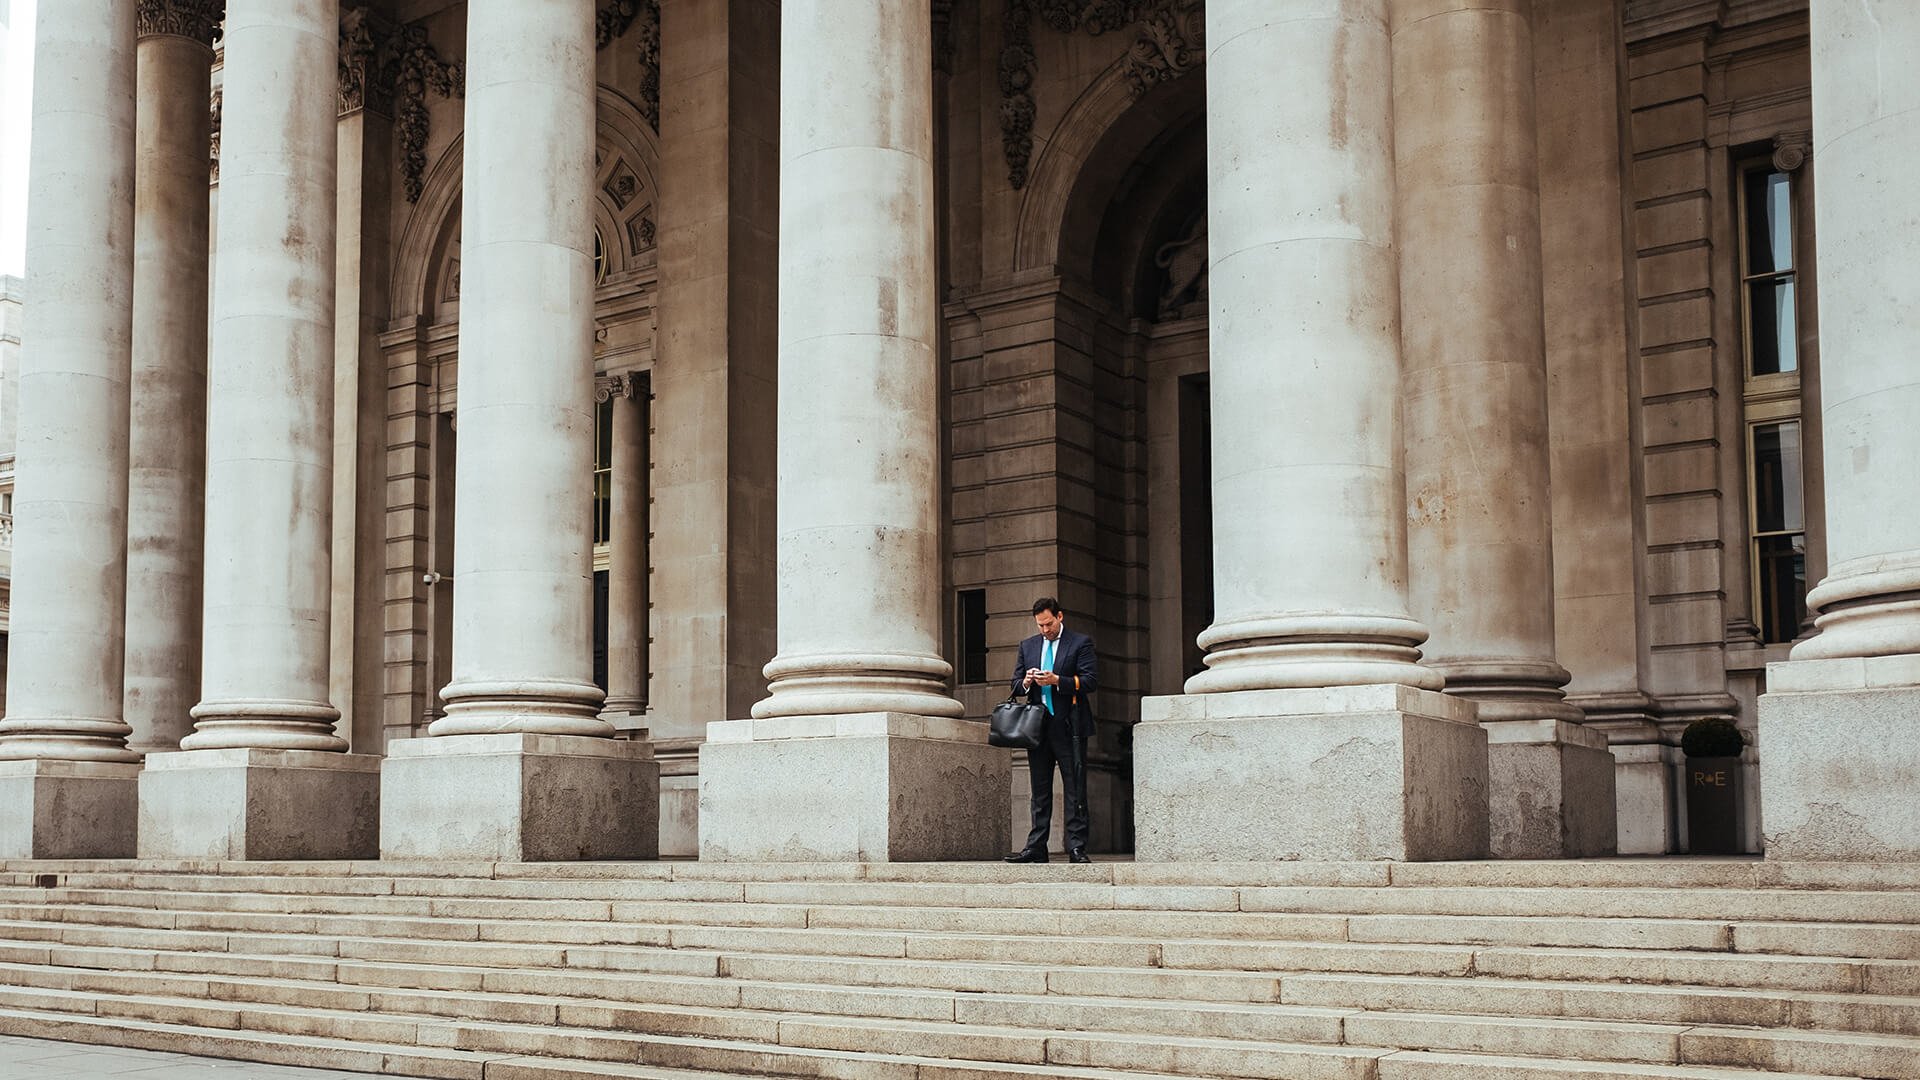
1333, 773
1841, 771
868, 787
67, 809
256, 804
1644, 797
1550, 791
520, 798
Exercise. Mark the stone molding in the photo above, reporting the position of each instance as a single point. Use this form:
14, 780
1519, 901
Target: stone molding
198, 20
1171, 41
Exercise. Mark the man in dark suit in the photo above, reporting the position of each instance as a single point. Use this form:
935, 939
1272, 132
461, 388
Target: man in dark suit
1057, 669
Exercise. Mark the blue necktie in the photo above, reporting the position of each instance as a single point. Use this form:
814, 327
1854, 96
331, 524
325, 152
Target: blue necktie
1046, 664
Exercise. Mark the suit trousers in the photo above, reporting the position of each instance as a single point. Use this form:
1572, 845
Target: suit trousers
1060, 748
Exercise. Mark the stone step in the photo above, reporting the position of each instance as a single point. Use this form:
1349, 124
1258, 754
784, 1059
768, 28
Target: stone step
568, 1001
415, 896
1667, 873
655, 922
600, 1031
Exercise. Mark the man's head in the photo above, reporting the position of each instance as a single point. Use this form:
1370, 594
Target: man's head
1048, 617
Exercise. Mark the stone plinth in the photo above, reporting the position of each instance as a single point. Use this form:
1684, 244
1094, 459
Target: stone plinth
252, 803
858, 787
1839, 762
519, 797
55, 809
1339, 773
1643, 783
1551, 791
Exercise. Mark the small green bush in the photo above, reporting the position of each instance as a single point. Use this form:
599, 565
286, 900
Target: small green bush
1712, 737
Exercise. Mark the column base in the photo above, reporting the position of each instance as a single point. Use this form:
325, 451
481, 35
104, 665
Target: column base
1643, 786
254, 804
857, 787
519, 798
57, 809
1840, 761
1551, 791
1336, 773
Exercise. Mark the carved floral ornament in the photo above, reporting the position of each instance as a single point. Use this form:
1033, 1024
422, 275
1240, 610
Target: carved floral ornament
196, 19
1170, 40
390, 70
612, 21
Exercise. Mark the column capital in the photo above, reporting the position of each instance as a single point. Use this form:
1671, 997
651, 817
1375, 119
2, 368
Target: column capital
196, 19
629, 384
366, 62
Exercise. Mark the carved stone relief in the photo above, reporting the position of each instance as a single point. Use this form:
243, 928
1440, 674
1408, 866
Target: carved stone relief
196, 19
1184, 292
213, 138
612, 21
390, 70
1170, 41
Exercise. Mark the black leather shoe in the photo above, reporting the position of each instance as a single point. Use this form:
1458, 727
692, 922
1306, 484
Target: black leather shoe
1028, 855
1078, 855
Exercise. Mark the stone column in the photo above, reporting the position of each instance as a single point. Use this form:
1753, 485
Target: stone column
167, 478
858, 751
627, 622
521, 766
67, 779
1479, 516
1314, 732
1839, 765
263, 775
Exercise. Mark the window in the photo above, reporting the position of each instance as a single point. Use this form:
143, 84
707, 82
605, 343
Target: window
602, 477
1776, 483
971, 613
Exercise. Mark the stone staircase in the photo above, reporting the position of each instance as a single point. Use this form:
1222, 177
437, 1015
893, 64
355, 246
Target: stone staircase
1470, 971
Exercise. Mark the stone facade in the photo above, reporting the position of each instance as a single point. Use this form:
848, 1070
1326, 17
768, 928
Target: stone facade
1508, 385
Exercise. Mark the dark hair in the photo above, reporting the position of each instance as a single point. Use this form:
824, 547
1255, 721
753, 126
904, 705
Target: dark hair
1046, 603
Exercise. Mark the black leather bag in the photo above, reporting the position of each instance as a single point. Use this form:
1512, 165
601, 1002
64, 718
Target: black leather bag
1017, 724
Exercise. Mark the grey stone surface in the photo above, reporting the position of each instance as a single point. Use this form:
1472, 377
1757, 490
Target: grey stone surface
1551, 791
880, 797
519, 797
1840, 775
54, 809
1357, 772
259, 804
44, 1059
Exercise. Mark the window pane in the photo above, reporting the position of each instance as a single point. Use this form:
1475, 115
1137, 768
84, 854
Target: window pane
1782, 572
1778, 505
1769, 222
972, 613
1771, 328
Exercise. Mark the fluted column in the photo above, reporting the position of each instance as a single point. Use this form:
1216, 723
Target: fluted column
1314, 732
1480, 528
70, 494
859, 450
1309, 532
627, 623
270, 397
523, 547
67, 782
522, 766
1837, 752
167, 444
858, 729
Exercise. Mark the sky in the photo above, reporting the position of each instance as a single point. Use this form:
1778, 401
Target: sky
16, 91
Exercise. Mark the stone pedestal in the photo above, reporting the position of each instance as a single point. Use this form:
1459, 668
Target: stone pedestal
1339, 773
1839, 764
519, 797
1552, 791
56, 809
1643, 781
257, 804
860, 787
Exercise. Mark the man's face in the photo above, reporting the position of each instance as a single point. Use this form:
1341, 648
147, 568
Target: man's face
1049, 624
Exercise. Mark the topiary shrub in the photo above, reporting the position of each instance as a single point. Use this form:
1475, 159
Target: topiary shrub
1712, 737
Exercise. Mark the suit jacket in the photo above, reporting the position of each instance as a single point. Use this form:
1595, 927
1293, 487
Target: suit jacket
1079, 670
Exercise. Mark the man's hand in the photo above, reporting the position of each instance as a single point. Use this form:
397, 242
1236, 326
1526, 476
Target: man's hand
1044, 678
1032, 674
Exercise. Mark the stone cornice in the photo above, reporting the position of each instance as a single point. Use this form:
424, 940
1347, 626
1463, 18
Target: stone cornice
198, 20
